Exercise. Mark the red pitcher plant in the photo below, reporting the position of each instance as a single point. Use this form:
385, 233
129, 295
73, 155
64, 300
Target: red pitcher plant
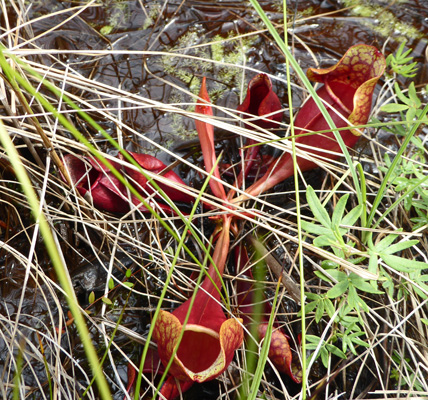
208, 338
347, 94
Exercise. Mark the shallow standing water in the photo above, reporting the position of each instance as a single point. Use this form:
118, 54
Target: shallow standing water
190, 28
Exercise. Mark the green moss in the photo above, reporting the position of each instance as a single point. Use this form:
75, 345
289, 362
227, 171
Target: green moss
227, 50
408, 31
117, 16
177, 125
230, 50
217, 49
364, 11
152, 15
387, 23
106, 29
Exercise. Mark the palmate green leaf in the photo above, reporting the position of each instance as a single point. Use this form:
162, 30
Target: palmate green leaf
338, 275
322, 276
413, 95
373, 262
351, 339
313, 340
338, 251
329, 307
325, 240
335, 350
312, 343
422, 294
315, 228
420, 221
319, 312
350, 322
388, 284
310, 307
401, 183
346, 341
321, 303
356, 301
389, 174
317, 299
423, 278
353, 215
362, 285
419, 286
324, 356
399, 247
339, 210
384, 243
401, 95
320, 213
394, 108
328, 264
403, 264
338, 289
411, 114
312, 296
357, 340
353, 298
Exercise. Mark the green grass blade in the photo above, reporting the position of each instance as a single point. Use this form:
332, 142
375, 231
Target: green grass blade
264, 352
298, 215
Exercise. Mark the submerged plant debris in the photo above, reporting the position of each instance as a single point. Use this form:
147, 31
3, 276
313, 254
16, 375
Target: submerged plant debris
135, 69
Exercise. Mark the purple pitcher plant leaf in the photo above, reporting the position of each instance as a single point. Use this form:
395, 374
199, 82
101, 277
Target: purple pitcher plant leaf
155, 166
347, 93
206, 138
210, 339
262, 102
170, 390
92, 178
280, 353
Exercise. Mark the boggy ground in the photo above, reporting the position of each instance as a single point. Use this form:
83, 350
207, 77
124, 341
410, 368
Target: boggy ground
135, 67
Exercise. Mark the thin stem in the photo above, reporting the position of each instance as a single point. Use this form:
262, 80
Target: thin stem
394, 164
298, 215
302, 76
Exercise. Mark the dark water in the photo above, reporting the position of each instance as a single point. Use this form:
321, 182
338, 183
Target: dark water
182, 27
